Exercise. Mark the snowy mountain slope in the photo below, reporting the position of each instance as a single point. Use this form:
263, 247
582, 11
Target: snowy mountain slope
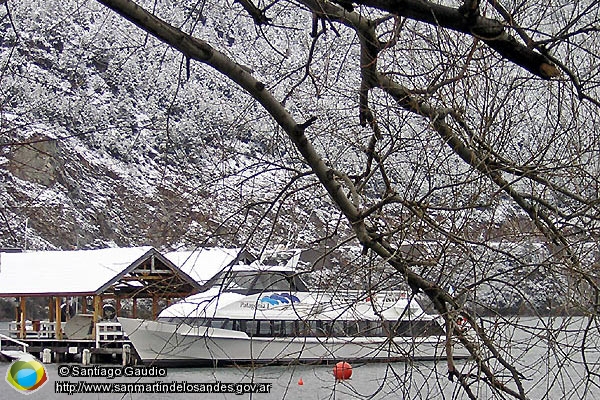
106, 147
108, 137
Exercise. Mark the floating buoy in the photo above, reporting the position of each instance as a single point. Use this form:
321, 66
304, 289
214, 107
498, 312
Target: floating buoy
342, 370
462, 324
300, 382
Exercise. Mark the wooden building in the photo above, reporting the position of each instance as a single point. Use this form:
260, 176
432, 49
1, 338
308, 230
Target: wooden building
89, 280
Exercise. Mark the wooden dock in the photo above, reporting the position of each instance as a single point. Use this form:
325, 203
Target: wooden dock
106, 347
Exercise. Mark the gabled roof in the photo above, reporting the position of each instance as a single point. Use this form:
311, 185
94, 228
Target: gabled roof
204, 263
139, 271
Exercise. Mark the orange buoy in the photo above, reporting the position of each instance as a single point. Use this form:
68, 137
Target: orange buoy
342, 370
300, 382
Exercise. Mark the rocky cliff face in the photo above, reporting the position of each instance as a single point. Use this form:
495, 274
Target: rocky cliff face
56, 196
100, 147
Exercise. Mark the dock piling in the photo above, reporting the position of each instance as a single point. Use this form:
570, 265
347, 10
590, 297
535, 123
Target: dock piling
86, 357
126, 354
47, 356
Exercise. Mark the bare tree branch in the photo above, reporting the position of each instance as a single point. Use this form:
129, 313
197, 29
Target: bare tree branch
488, 30
256, 13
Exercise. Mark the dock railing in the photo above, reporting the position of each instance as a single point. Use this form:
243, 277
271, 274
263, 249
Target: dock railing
12, 340
108, 331
33, 329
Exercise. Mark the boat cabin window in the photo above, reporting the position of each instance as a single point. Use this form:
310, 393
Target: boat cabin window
318, 328
221, 324
416, 328
239, 280
307, 328
251, 282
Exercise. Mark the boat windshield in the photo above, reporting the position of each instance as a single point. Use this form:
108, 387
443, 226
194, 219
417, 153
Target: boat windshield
250, 282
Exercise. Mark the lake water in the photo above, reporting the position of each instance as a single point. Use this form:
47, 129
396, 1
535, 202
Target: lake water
553, 369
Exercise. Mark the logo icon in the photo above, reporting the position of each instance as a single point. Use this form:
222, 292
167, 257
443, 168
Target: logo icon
26, 375
281, 298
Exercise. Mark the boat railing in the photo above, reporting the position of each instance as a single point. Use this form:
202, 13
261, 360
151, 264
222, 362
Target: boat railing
353, 295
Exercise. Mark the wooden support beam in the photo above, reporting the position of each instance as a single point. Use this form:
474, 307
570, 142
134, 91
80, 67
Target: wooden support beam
97, 313
118, 305
23, 318
58, 326
134, 308
145, 278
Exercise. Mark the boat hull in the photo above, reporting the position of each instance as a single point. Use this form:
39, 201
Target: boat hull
167, 344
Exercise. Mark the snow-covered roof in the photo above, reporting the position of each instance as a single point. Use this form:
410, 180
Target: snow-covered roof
204, 263
65, 272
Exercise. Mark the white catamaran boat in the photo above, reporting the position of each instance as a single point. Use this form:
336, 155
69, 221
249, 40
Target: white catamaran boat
258, 314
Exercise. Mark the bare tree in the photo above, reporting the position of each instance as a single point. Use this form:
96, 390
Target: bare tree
466, 124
